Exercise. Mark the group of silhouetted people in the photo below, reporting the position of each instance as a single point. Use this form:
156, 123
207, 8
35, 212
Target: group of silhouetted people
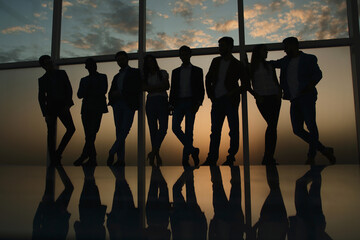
299, 74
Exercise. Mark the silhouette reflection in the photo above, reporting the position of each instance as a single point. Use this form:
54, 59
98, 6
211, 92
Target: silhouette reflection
51, 219
123, 222
309, 221
228, 220
273, 222
158, 207
187, 219
92, 213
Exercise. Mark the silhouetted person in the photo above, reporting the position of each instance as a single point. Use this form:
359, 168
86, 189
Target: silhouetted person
309, 222
55, 98
299, 75
124, 97
158, 207
228, 220
186, 96
92, 90
51, 219
156, 82
187, 219
91, 211
273, 222
267, 93
123, 222
222, 87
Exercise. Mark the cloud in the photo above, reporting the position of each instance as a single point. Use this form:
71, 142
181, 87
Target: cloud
41, 15
123, 18
13, 55
264, 28
192, 38
182, 9
195, 2
219, 2
278, 5
92, 3
162, 15
29, 28
226, 26
256, 10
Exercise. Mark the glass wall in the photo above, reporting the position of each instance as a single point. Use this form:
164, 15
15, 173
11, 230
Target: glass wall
271, 21
25, 29
106, 135
197, 24
334, 109
99, 27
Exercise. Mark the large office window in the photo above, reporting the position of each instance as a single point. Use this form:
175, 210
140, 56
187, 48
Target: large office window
99, 27
271, 21
171, 24
25, 30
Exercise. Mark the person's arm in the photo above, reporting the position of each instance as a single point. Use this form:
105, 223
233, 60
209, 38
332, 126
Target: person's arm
208, 80
172, 89
163, 84
42, 97
315, 74
82, 89
68, 91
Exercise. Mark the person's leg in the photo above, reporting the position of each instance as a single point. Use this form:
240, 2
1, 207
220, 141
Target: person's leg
117, 113
270, 109
232, 113
94, 130
217, 120
125, 126
163, 117
66, 119
220, 201
235, 193
178, 116
151, 114
189, 127
51, 135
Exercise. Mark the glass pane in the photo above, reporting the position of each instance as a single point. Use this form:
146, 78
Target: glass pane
106, 135
171, 150
171, 24
335, 114
25, 29
23, 138
99, 27
271, 21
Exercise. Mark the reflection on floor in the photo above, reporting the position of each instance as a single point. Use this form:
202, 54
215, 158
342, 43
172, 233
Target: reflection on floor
87, 203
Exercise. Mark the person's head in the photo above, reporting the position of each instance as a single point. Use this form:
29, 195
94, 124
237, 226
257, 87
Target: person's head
122, 59
291, 46
226, 45
259, 54
46, 62
90, 65
150, 64
185, 54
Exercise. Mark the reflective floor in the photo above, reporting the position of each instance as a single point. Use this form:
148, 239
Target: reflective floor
285, 202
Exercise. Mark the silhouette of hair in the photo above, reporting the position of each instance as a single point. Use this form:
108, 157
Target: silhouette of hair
184, 48
90, 62
291, 40
148, 58
43, 58
121, 53
256, 58
227, 40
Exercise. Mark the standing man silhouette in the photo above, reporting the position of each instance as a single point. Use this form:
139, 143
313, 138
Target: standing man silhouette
55, 99
299, 75
186, 96
222, 87
92, 90
124, 97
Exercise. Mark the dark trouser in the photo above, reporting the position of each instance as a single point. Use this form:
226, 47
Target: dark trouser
221, 108
123, 117
270, 109
302, 109
65, 117
184, 108
179, 201
91, 122
157, 112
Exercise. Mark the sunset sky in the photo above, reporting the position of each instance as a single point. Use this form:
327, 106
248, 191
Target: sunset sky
94, 27
98, 27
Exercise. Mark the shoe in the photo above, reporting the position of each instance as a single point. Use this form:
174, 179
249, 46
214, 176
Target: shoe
328, 152
195, 156
151, 158
110, 160
209, 162
310, 160
79, 161
158, 159
229, 161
